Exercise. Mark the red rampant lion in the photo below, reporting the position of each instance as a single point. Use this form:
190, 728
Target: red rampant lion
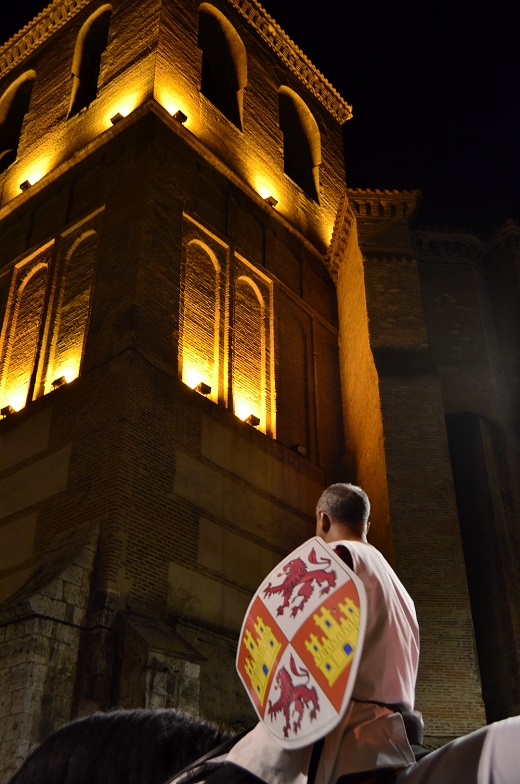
299, 696
297, 575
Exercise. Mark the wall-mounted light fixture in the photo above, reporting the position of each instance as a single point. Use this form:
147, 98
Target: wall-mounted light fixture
59, 382
300, 449
25, 185
272, 202
252, 420
180, 116
116, 118
203, 388
6, 411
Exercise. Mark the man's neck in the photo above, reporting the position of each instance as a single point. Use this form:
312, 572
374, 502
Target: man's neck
343, 533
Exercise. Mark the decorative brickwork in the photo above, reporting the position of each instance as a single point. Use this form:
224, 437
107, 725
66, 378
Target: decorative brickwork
72, 311
200, 319
21, 331
248, 350
34, 34
341, 236
294, 58
44, 329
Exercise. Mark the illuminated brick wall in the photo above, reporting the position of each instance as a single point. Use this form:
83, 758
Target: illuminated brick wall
21, 330
166, 267
200, 319
248, 350
45, 323
69, 328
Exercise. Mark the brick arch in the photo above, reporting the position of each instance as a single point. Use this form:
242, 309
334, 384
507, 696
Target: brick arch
249, 351
301, 141
86, 63
293, 399
73, 310
199, 354
224, 63
14, 105
21, 336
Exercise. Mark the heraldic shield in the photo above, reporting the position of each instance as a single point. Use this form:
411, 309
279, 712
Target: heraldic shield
301, 643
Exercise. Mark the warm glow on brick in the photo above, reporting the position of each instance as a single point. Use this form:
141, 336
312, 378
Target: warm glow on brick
249, 351
200, 317
264, 186
173, 102
124, 105
35, 171
71, 322
16, 398
329, 230
70, 371
243, 408
21, 330
192, 376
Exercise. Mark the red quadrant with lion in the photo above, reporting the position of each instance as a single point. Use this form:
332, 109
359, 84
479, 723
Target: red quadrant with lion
299, 643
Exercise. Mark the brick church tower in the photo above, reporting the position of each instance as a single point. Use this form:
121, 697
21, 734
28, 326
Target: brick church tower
201, 328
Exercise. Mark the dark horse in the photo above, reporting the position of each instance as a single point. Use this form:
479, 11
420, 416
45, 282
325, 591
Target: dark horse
120, 747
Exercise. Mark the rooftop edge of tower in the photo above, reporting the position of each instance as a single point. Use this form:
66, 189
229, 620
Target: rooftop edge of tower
58, 13
294, 58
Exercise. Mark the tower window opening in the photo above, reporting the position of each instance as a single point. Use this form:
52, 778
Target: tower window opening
90, 45
14, 105
224, 63
301, 142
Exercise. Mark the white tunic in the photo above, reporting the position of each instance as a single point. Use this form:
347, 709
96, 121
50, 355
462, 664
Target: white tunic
370, 735
388, 667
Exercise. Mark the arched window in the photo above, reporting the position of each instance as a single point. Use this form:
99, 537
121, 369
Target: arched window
20, 337
249, 381
200, 319
71, 323
293, 399
90, 45
224, 63
13, 107
301, 141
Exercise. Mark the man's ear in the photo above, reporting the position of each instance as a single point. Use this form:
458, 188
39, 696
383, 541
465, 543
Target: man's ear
325, 522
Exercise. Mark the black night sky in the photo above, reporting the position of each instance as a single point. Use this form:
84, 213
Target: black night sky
435, 91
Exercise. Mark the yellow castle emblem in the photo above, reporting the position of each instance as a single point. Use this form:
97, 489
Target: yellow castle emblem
262, 656
335, 650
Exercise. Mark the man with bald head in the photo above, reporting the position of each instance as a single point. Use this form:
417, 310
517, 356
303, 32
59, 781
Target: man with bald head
372, 733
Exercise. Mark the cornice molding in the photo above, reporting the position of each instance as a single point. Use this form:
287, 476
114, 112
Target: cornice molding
389, 205
34, 34
294, 58
341, 237
447, 243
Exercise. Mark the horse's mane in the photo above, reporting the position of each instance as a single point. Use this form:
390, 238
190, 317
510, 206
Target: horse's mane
120, 747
